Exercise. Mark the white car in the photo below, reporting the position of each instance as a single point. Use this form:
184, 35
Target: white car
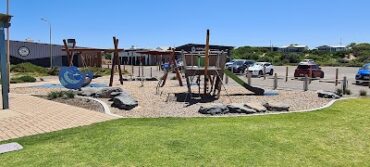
257, 69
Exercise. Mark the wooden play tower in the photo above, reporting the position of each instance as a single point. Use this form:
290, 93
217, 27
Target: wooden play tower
207, 68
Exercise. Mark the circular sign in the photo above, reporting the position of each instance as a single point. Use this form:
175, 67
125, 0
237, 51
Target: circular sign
193, 49
23, 51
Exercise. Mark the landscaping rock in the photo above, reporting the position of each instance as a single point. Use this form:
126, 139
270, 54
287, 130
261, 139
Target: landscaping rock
106, 92
327, 94
256, 106
240, 108
276, 107
124, 101
99, 92
213, 109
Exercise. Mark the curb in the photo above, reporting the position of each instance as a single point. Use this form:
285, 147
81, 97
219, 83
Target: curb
105, 106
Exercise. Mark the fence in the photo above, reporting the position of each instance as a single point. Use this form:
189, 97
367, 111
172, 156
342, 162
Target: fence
287, 82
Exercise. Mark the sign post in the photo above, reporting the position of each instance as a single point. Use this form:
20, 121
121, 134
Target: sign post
4, 23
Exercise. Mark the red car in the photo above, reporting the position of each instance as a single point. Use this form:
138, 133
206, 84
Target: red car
310, 69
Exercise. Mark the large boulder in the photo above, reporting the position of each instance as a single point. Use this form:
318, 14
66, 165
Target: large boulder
124, 101
213, 109
104, 92
240, 108
328, 94
276, 107
256, 106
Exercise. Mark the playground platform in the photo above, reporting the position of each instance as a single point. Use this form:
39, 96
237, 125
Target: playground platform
29, 115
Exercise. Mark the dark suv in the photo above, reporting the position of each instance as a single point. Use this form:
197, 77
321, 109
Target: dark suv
310, 69
239, 66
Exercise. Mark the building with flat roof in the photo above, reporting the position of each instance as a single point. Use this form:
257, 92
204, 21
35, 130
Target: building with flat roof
332, 48
294, 48
36, 53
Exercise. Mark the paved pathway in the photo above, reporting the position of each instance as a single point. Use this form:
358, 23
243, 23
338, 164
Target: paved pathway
30, 115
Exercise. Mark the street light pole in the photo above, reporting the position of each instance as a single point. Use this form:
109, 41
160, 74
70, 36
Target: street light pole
50, 38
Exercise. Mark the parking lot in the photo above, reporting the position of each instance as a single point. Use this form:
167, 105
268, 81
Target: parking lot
327, 83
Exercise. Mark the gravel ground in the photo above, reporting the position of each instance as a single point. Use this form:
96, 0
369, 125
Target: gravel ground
170, 100
82, 103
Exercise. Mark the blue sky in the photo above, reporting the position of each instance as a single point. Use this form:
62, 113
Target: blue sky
153, 23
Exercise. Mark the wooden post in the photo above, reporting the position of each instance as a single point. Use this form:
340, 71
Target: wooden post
151, 72
275, 81
116, 54
264, 73
286, 73
115, 62
305, 83
132, 70
344, 85
206, 63
138, 71
178, 76
142, 71
226, 80
336, 76
249, 77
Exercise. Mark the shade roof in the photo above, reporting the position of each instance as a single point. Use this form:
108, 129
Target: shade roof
5, 18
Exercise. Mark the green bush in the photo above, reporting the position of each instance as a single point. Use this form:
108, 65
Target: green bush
363, 93
339, 92
28, 68
61, 94
348, 92
53, 71
23, 79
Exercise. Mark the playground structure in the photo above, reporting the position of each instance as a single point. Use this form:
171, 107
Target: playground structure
4, 23
72, 78
210, 65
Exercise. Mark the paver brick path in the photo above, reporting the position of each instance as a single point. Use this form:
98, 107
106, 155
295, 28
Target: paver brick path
30, 115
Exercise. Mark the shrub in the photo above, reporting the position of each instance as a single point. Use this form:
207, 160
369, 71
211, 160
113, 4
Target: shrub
53, 71
174, 78
23, 79
363, 93
28, 68
61, 94
339, 92
53, 95
348, 92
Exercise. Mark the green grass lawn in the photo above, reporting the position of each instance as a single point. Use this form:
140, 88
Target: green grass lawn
339, 136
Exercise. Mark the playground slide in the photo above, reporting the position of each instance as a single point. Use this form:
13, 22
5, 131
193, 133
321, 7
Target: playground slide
256, 90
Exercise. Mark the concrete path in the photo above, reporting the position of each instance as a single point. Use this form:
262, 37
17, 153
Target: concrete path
30, 115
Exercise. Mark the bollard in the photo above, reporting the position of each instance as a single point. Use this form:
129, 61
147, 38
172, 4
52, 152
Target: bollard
336, 76
286, 73
264, 73
151, 72
275, 81
226, 80
138, 70
249, 76
305, 83
132, 70
344, 84
142, 71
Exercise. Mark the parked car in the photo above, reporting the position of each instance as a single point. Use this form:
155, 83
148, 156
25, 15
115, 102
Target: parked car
229, 63
310, 69
239, 66
363, 74
258, 69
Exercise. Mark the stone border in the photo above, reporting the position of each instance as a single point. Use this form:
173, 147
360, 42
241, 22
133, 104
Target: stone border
105, 106
286, 112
